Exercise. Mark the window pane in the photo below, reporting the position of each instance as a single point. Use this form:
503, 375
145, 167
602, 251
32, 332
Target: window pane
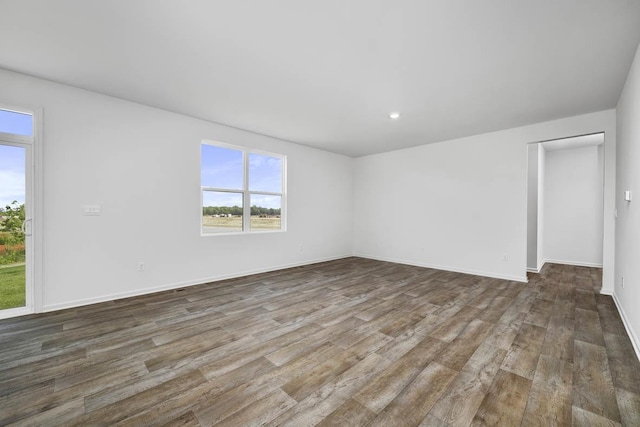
265, 173
265, 212
221, 212
12, 176
12, 241
16, 123
221, 167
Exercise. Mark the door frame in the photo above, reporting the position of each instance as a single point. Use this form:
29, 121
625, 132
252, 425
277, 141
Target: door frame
33, 209
541, 262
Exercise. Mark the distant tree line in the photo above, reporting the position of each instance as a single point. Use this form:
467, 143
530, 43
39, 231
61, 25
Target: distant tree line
257, 210
237, 210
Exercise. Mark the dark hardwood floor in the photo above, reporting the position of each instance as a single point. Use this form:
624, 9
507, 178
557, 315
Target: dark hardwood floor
347, 342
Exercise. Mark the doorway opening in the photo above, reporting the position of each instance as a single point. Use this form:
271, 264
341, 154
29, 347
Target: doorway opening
565, 202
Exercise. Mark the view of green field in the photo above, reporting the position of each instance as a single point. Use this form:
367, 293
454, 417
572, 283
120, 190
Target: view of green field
12, 257
12, 292
217, 224
258, 223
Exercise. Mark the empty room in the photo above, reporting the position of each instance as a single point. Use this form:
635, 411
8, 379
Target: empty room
337, 213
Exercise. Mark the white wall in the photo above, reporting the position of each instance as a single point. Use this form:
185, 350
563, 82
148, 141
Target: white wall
461, 205
532, 207
541, 198
628, 221
573, 206
142, 165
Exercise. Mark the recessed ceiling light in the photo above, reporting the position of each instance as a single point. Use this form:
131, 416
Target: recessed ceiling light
394, 115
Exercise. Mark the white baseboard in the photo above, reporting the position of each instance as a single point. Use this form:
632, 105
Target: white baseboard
178, 285
15, 312
446, 268
635, 342
541, 265
537, 269
576, 263
606, 291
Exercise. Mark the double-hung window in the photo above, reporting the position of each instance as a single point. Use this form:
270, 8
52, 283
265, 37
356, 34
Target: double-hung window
242, 190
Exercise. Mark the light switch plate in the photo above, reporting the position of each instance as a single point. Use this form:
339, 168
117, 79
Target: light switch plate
627, 195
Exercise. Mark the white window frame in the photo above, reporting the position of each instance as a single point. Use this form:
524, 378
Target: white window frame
246, 193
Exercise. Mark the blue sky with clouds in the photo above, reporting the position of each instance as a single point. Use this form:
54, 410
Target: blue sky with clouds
16, 123
222, 168
12, 179
12, 159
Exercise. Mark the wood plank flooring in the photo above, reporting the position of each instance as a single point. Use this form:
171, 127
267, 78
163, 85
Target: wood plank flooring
342, 343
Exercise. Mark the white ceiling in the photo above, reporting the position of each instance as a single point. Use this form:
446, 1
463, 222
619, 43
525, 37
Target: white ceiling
327, 73
574, 142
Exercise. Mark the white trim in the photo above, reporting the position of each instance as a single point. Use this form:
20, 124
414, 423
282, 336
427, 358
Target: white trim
555, 261
12, 137
15, 312
37, 213
446, 268
246, 196
539, 268
576, 263
179, 285
635, 342
542, 263
606, 291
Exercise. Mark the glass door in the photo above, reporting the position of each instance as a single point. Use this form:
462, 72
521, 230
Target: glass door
16, 142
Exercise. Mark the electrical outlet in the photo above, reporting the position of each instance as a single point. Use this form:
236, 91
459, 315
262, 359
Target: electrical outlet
141, 266
505, 257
